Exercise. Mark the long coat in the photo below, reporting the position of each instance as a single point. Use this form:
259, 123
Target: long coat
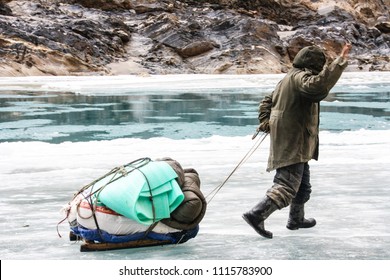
294, 116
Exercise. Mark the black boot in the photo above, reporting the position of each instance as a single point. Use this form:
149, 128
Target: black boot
297, 219
257, 215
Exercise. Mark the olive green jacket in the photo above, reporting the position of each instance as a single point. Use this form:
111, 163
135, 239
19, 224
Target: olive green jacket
294, 116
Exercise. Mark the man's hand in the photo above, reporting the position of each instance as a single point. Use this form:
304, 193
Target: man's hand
345, 51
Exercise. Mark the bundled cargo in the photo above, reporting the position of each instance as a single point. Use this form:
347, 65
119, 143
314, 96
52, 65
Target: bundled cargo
142, 203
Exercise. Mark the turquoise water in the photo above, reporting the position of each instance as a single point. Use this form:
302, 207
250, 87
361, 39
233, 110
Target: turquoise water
39, 112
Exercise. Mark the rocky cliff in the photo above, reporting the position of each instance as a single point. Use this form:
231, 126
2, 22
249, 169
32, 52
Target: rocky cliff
105, 37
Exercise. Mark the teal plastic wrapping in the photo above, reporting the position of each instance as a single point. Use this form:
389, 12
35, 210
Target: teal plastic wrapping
145, 193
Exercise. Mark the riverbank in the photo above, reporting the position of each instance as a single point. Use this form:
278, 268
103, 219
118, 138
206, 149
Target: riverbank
139, 37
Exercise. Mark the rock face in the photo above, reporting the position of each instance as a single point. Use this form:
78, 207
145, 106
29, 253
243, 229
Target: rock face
85, 37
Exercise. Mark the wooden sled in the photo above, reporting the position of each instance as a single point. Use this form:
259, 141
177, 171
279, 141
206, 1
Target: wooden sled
90, 246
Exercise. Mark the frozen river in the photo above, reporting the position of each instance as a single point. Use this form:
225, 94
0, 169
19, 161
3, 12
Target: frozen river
59, 133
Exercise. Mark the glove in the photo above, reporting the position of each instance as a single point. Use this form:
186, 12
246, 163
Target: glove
264, 126
264, 122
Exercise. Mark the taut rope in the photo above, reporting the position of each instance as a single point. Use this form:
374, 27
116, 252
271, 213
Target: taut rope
244, 159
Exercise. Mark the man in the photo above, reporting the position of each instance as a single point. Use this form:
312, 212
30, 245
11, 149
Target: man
291, 116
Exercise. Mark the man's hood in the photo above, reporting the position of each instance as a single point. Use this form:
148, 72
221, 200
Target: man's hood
312, 58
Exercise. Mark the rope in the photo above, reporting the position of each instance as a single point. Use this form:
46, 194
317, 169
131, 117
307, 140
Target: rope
244, 159
121, 171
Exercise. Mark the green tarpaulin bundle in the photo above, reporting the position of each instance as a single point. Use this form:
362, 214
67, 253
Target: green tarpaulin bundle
145, 191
